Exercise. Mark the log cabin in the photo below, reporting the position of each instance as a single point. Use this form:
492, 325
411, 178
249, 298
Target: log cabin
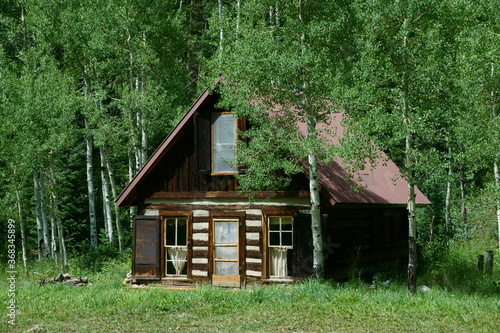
194, 227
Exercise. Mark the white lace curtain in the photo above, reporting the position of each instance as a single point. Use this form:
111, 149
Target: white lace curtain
177, 256
279, 261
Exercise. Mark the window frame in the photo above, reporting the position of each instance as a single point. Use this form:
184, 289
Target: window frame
165, 216
266, 266
212, 143
280, 231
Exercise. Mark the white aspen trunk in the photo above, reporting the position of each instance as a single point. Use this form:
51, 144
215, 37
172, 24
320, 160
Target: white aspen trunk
448, 196
316, 228
464, 206
144, 142
112, 182
137, 131
129, 46
142, 150
106, 204
38, 215
57, 217
143, 128
221, 31
45, 220
238, 18
496, 168
134, 86
21, 226
412, 221
91, 188
130, 166
130, 177
53, 234
62, 244
277, 15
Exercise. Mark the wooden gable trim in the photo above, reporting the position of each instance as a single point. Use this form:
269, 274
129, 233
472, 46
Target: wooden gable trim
129, 194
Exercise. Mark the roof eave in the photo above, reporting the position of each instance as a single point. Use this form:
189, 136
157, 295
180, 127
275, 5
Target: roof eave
129, 194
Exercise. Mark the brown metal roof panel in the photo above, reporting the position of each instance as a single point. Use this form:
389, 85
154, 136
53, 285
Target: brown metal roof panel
382, 184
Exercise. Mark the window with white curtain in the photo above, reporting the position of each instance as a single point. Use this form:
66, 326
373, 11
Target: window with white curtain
280, 229
176, 246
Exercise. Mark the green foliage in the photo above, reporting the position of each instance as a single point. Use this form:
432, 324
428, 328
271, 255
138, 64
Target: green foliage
453, 267
97, 259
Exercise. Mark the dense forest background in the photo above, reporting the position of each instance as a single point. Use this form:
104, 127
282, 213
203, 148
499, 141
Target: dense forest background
89, 89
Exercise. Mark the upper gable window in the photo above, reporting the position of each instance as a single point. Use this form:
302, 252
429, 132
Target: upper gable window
223, 142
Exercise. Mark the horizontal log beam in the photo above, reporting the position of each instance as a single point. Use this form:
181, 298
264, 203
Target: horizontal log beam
228, 194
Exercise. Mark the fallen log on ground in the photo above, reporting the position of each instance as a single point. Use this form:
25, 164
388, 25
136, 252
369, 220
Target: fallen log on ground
66, 279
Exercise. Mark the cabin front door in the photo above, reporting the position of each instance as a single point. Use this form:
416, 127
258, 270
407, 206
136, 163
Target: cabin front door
226, 253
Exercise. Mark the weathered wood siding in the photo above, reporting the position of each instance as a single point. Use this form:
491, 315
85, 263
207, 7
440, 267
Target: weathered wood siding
186, 167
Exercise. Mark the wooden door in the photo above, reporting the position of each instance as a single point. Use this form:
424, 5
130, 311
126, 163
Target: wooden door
146, 247
226, 263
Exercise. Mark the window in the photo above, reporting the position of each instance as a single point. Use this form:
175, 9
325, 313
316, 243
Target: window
175, 246
280, 238
223, 142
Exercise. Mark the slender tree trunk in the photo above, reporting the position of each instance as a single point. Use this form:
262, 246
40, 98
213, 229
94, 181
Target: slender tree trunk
464, 206
144, 141
131, 172
316, 228
141, 148
57, 217
38, 214
130, 177
238, 18
53, 232
22, 227
142, 124
135, 127
412, 222
317, 233
221, 31
115, 195
45, 221
106, 204
411, 205
496, 168
448, 196
91, 188
129, 46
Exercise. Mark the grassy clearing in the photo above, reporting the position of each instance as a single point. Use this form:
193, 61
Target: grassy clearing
109, 306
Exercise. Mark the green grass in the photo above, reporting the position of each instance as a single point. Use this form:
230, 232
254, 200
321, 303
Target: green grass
109, 306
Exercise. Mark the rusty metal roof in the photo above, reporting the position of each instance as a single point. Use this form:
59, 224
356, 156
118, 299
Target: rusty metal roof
382, 184
379, 184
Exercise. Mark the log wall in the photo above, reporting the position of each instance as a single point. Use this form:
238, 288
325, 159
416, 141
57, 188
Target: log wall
355, 240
